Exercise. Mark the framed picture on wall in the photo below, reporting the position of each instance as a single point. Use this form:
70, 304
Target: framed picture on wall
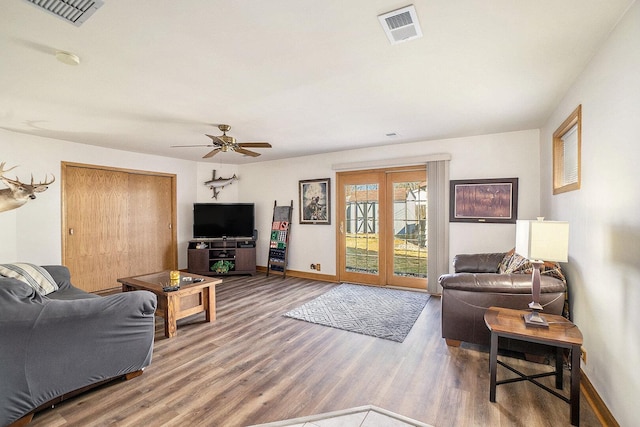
315, 201
484, 200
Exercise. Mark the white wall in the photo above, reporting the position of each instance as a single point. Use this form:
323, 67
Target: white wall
32, 233
604, 215
8, 249
506, 155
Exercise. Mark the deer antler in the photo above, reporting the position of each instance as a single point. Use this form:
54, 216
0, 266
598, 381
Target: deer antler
3, 170
41, 186
37, 187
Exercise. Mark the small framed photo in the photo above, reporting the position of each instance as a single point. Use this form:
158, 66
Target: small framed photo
484, 200
315, 201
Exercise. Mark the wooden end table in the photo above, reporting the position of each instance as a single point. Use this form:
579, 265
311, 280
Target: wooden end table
561, 333
190, 299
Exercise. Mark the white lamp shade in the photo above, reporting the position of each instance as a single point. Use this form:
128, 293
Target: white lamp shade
543, 240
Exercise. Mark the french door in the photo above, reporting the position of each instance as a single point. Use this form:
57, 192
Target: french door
382, 223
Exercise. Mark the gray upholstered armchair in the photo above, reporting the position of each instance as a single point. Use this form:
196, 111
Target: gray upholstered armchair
53, 345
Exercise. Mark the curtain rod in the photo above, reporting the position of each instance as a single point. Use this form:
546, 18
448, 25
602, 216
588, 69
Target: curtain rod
390, 163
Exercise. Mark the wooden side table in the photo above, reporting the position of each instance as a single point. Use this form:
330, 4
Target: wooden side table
561, 333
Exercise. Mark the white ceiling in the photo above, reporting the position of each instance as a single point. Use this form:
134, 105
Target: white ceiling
308, 76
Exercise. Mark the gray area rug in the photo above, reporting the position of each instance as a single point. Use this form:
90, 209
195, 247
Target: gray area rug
368, 310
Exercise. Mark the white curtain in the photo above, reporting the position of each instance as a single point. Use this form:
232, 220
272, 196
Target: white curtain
438, 222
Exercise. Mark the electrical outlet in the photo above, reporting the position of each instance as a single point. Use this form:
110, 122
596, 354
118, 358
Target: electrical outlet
583, 355
317, 267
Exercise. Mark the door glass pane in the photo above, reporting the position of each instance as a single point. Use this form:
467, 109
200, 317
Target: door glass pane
361, 228
410, 229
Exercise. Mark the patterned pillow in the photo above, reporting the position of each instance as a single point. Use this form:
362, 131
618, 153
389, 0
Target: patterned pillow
516, 263
553, 269
36, 277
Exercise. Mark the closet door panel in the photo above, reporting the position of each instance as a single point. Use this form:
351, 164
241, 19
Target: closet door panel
150, 224
95, 233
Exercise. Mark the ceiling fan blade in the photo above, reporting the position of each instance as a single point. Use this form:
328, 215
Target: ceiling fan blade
199, 145
247, 152
212, 153
216, 140
255, 144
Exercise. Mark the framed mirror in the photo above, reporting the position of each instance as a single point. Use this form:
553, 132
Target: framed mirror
567, 140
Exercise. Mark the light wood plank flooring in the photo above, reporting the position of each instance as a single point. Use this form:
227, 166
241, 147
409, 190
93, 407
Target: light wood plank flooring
252, 366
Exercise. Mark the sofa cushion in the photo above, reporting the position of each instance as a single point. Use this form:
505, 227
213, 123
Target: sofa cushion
36, 277
498, 283
477, 263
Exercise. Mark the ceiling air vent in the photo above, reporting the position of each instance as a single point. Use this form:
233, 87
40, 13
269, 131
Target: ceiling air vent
401, 25
72, 11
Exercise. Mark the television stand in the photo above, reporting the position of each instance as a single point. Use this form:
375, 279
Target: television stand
220, 257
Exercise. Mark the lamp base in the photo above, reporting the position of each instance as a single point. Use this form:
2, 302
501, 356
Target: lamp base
534, 319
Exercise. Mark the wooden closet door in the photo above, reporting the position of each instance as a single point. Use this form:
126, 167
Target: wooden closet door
95, 226
116, 223
150, 224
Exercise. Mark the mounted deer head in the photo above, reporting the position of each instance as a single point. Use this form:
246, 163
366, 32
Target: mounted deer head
19, 193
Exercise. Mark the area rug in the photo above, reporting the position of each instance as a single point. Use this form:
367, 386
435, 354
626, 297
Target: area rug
368, 310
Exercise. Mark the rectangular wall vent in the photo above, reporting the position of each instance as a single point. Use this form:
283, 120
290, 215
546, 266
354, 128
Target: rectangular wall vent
73, 11
401, 25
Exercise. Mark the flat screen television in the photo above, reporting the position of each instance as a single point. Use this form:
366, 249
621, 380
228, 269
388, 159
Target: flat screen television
222, 220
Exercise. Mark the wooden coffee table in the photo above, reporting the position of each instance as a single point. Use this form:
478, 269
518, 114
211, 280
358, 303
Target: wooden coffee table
561, 333
190, 299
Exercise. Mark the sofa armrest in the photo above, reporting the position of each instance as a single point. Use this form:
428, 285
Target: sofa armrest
60, 274
66, 290
477, 263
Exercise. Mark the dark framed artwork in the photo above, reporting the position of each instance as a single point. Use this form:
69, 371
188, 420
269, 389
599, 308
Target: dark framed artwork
484, 200
315, 201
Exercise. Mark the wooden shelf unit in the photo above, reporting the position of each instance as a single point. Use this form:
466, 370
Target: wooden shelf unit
219, 257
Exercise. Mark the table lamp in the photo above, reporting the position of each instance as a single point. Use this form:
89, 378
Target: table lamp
539, 241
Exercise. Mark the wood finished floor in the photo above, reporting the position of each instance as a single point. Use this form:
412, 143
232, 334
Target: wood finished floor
252, 366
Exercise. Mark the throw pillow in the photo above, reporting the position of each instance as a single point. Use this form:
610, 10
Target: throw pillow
553, 269
516, 263
36, 277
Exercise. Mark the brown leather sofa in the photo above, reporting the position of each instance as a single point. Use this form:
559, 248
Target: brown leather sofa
476, 285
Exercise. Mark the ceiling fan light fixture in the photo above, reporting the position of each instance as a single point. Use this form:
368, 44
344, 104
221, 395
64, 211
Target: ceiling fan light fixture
225, 143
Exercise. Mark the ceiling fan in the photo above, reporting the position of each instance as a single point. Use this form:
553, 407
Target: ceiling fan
226, 143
